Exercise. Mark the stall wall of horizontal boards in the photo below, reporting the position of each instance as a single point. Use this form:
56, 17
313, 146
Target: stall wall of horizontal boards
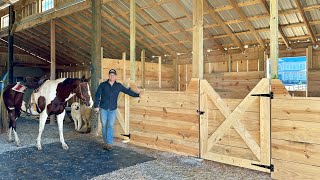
295, 131
151, 73
231, 75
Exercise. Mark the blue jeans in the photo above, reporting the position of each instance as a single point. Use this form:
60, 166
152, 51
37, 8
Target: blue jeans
107, 118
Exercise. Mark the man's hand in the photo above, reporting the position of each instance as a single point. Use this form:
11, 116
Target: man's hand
96, 110
141, 93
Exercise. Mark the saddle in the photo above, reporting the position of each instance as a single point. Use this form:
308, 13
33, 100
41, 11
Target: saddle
28, 87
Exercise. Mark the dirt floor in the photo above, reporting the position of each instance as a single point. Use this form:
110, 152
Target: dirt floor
87, 160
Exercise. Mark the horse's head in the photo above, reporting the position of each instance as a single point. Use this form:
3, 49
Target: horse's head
83, 92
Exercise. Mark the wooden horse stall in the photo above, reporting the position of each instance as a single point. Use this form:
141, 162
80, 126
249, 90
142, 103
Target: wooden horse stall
295, 135
73, 74
151, 76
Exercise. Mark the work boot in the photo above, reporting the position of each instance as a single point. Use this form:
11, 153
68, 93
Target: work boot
107, 147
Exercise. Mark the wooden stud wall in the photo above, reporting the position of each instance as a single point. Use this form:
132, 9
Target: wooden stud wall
151, 73
314, 74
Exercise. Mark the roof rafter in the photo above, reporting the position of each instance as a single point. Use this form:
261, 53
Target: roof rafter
225, 27
247, 22
306, 21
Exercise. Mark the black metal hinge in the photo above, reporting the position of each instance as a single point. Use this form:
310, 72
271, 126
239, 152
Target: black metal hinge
270, 95
200, 112
126, 135
271, 167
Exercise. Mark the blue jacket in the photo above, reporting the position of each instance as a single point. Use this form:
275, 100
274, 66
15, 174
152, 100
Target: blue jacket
107, 95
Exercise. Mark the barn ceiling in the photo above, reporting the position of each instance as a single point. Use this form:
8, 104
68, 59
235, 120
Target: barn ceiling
165, 28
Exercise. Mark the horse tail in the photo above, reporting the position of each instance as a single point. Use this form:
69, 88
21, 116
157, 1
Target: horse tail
3, 115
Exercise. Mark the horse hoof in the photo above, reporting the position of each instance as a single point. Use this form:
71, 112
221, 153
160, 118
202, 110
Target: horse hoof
18, 144
39, 147
65, 146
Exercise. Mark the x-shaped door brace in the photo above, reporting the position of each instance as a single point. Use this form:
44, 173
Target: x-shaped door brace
232, 118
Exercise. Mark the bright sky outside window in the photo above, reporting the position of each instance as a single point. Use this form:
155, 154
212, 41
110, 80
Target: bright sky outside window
46, 5
5, 21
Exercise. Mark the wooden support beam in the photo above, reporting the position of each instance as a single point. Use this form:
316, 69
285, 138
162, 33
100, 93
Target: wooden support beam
124, 66
248, 24
143, 68
159, 71
52, 57
10, 45
274, 41
225, 27
132, 40
42, 18
309, 65
197, 48
283, 36
306, 21
96, 52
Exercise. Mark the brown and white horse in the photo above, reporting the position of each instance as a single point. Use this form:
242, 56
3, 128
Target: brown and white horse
50, 99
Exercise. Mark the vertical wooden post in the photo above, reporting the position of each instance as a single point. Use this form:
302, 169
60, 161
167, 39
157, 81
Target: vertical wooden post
309, 65
229, 63
133, 40
203, 122
10, 45
52, 57
265, 128
159, 71
124, 66
127, 114
39, 6
237, 66
261, 59
95, 53
143, 68
197, 48
179, 78
274, 27
247, 65
175, 74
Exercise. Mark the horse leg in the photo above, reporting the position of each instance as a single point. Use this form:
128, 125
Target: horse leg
60, 118
42, 123
11, 119
16, 138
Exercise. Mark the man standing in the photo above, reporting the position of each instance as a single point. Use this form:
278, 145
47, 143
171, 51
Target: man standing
106, 102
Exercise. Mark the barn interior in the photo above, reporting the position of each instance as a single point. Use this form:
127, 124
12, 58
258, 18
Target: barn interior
214, 86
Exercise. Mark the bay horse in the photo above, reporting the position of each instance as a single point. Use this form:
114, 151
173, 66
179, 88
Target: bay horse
49, 99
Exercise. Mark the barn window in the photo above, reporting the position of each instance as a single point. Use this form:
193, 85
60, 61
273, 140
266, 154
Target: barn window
46, 5
5, 21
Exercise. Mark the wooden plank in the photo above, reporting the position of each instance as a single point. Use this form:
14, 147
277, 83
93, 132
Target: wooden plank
302, 153
232, 151
290, 170
197, 47
203, 123
274, 41
165, 144
235, 161
299, 131
124, 76
265, 129
52, 57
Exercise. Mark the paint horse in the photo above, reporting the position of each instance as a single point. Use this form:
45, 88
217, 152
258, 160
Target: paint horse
49, 99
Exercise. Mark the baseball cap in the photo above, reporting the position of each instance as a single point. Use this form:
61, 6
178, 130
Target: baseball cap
113, 71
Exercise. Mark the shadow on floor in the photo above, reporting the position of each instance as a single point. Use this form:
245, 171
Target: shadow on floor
85, 159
